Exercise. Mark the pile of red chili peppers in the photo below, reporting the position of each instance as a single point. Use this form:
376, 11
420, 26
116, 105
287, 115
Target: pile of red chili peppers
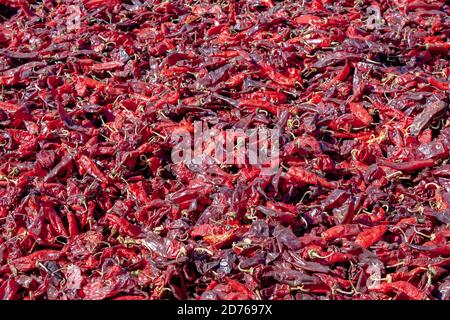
92, 207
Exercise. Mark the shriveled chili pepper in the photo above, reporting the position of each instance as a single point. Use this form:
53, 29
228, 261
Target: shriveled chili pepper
370, 236
440, 84
109, 188
300, 175
122, 225
341, 231
360, 113
402, 287
31, 261
409, 166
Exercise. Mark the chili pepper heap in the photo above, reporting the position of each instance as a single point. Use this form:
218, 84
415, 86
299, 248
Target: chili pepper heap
93, 207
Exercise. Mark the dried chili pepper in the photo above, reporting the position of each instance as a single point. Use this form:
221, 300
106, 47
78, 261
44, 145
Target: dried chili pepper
368, 237
95, 97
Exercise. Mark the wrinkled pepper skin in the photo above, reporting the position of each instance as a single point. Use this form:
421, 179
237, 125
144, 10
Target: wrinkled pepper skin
135, 162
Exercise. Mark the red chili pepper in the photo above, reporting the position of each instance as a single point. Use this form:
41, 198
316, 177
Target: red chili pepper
307, 19
8, 289
235, 80
277, 77
364, 118
106, 66
341, 76
402, 287
170, 98
370, 236
341, 231
434, 249
408, 166
259, 104
72, 222
55, 220
122, 225
300, 175
30, 262
270, 96
130, 298
88, 166
388, 110
106, 191
439, 84
94, 4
